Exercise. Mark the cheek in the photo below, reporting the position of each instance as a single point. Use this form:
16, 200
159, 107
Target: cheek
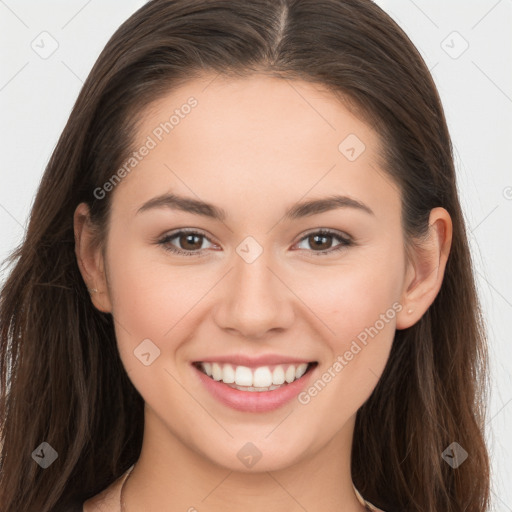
149, 299
150, 304
149, 295
361, 323
357, 304
354, 295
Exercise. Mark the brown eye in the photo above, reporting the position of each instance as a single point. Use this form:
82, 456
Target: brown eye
320, 242
187, 243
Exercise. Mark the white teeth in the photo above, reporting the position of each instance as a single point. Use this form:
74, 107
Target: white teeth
257, 379
228, 374
262, 377
278, 375
207, 367
216, 371
243, 376
301, 370
252, 388
290, 374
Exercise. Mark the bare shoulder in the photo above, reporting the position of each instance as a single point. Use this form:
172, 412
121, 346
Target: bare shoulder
105, 501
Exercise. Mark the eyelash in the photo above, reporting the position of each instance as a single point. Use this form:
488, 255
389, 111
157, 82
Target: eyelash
345, 241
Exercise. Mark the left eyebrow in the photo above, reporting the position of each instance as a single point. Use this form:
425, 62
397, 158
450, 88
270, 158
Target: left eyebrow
304, 209
316, 206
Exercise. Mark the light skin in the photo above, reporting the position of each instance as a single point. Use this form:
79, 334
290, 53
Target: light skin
255, 147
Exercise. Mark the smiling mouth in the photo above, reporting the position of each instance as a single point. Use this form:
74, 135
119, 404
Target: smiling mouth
261, 378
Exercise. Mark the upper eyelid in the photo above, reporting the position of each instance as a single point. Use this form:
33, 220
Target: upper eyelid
191, 231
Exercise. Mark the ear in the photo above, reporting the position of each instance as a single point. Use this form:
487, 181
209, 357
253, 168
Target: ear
90, 259
425, 269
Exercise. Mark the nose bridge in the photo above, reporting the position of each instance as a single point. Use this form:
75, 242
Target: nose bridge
254, 300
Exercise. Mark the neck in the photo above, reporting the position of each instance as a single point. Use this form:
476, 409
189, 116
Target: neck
170, 474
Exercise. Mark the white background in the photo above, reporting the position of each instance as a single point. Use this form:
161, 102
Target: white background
36, 97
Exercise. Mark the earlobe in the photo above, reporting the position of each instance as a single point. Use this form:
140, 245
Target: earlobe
425, 271
90, 259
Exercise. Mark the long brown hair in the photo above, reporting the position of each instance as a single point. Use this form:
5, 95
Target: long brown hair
62, 381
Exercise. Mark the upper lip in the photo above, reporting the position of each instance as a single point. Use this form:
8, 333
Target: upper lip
253, 362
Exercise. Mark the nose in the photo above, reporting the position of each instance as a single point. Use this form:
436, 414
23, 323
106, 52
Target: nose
254, 300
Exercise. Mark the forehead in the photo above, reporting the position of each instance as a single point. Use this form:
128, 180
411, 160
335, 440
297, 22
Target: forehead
255, 138
257, 109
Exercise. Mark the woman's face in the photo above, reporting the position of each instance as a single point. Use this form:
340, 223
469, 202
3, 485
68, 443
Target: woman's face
254, 289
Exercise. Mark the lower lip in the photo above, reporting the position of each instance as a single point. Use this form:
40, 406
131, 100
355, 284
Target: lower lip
254, 401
